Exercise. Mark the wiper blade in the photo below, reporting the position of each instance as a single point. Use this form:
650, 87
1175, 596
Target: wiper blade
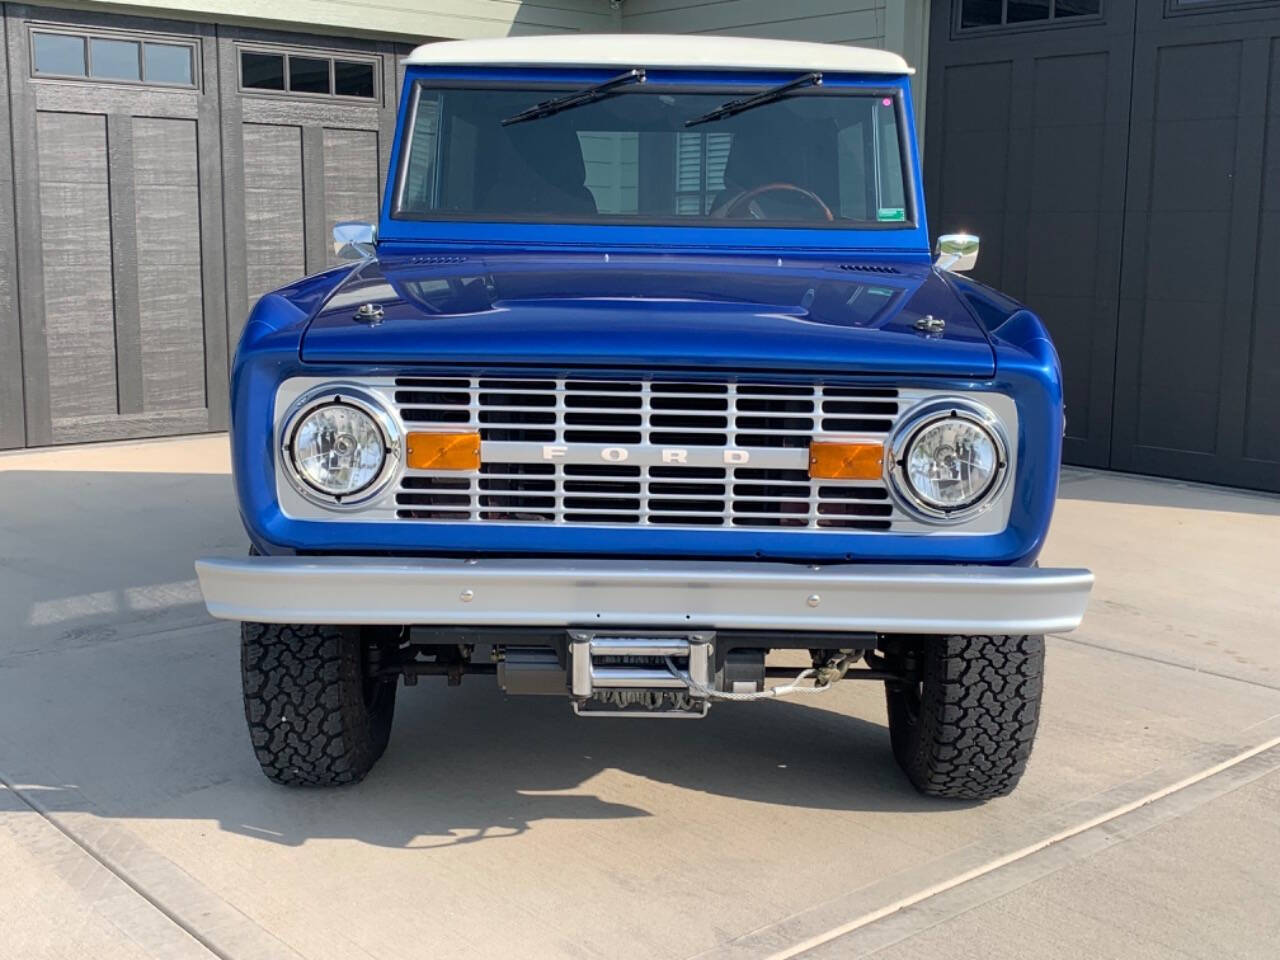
576, 99
757, 99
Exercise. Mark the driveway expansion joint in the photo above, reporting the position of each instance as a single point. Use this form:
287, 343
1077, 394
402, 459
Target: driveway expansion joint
803, 934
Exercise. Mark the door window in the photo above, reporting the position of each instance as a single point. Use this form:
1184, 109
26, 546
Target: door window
112, 58
308, 74
987, 14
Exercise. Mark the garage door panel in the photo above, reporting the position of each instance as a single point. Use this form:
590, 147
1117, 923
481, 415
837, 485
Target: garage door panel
167, 218
1262, 416
1196, 80
976, 97
975, 170
1194, 162
13, 432
1066, 167
1071, 89
1167, 366
972, 167
1187, 255
350, 179
1075, 343
121, 99
165, 152
170, 289
274, 227
1062, 256
1178, 418
75, 244
72, 147
1273, 83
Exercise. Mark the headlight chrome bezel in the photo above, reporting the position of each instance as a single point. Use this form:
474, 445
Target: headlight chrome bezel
912, 424
328, 394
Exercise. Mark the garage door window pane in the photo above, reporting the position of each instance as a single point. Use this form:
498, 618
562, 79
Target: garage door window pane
167, 63
1077, 8
980, 13
352, 79
58, 54
1026, 11
308, 75
114, 59
262, 71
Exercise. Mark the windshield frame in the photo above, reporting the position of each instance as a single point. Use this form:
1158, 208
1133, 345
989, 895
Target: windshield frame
907, 235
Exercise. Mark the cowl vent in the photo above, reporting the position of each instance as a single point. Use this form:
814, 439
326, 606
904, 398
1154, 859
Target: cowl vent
442, 258
869, 268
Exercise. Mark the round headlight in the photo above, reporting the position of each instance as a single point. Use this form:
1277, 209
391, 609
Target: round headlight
338, 449
949, 459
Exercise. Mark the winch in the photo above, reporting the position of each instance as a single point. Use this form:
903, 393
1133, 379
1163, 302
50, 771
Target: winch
626, 674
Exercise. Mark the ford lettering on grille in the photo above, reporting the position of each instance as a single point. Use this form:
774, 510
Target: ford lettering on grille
646, 455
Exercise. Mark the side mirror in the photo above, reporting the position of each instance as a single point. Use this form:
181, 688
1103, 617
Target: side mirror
957, 252
354, 240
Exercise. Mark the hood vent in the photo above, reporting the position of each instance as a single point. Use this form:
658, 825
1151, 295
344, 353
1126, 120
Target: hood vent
869, 268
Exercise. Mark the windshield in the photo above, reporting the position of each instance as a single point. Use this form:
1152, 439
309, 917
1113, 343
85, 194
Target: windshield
815, 157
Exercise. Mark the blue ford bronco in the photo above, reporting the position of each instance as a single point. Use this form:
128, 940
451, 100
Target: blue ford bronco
646, 371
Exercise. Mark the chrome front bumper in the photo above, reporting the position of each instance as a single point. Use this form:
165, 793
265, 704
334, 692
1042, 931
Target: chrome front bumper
677, 594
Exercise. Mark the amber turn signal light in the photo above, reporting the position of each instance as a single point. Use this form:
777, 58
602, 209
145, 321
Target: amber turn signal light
442, 451
846, 461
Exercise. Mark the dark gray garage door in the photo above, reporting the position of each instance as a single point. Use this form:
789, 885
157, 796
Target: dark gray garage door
156, 190
1121, 161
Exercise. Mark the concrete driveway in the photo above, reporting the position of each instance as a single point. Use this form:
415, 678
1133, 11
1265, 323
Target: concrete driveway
134, 821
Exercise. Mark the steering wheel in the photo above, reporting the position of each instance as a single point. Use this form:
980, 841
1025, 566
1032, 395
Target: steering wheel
746, 200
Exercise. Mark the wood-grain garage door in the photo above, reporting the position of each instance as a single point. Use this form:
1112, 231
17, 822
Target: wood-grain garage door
1121, 161
119, 227
307, 132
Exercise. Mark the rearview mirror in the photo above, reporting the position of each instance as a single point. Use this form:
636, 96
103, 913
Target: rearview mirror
354, 240
957, 252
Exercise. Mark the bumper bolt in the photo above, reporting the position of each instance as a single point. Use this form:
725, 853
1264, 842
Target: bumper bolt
813, 600
467, 596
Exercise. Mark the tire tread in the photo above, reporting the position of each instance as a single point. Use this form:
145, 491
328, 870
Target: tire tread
979, 709
303, 701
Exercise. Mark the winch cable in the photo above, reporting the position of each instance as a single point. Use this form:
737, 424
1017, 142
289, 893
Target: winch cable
823, 677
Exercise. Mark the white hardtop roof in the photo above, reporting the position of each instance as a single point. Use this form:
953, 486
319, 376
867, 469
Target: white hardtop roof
658, 50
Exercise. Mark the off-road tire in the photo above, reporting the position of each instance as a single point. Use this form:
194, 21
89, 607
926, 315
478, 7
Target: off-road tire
965, 730
314, 718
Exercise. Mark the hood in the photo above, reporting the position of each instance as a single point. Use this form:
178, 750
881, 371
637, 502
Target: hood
848, 316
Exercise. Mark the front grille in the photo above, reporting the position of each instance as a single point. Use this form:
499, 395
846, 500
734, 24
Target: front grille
592, 422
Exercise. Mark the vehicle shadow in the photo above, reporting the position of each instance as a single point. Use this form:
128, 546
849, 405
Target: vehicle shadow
471, 765
121, 698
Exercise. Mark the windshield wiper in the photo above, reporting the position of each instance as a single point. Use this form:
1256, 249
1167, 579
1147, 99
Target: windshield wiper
757, 100
576, 99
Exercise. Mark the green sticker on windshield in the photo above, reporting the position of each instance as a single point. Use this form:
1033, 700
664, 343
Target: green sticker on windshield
891, 213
